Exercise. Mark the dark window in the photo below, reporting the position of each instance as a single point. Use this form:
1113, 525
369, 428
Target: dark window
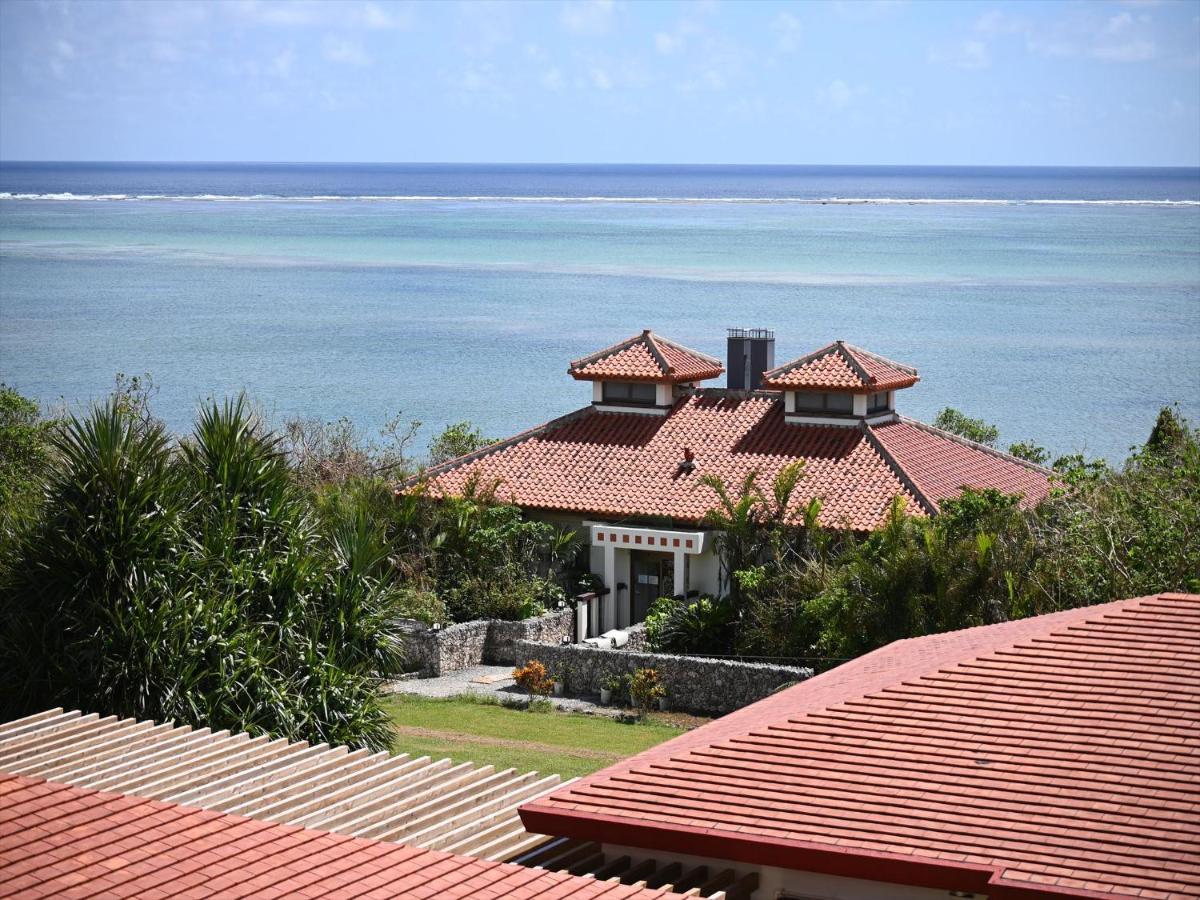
816, 402
638, 393
877, 402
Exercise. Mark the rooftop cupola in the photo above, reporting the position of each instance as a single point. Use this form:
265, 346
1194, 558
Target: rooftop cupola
840, 385
643, 374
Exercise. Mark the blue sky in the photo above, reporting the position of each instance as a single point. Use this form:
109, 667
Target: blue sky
1099, 83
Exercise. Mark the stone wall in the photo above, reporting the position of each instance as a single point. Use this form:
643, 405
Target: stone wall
485, 641
694, 684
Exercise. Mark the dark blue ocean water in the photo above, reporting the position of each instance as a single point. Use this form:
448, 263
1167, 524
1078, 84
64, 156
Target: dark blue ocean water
1062, 304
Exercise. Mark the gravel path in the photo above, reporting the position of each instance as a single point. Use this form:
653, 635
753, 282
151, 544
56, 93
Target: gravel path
501, 685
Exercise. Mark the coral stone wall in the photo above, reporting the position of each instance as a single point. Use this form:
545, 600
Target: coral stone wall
490, 641
694, 684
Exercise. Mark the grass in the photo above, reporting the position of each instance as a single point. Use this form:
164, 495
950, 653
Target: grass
567, 744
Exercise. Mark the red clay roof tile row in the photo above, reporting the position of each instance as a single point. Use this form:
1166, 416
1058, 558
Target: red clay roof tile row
647, 357
624, 464
841, 367
62, 841
1054, 754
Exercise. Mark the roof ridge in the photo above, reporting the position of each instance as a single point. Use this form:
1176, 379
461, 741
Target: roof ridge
881, 359
905, 478
648, 340
678, 346
799, 361
450, 464
863, 375
601, 354
974, 445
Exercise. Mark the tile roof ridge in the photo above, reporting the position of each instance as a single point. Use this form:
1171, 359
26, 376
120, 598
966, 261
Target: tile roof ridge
678, 346
843, 350
922, 495
974, 445
880, 359
735, 393
585, 361
648, 340
443, 467
799, 361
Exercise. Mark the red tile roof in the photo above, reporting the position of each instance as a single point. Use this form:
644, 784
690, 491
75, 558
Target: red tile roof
841, 367
621, 465
646, 357
1054, 756
63, 841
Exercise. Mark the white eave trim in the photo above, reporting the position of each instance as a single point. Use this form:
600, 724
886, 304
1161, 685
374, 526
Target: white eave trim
841, 421
659, 540
640, 410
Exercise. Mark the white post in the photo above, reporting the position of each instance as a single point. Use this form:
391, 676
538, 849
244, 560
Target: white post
681, 581
609, 603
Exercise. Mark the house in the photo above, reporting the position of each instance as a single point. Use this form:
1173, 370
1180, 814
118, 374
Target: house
626, 470
1051, 757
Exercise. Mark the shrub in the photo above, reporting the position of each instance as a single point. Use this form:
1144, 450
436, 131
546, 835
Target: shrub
534, 680
700, 626
976, 430
191, 583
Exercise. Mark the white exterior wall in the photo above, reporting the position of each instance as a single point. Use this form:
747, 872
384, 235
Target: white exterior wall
775, 882
705, 572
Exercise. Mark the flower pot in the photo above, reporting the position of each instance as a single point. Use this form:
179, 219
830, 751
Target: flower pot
605, 696
560, 689
664, 704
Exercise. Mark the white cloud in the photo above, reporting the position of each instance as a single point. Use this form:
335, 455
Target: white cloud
1119, 23
64, 49
838, 94
600, 78
968, 54
587, 17
165, 51
281, 63
340, 50
552, 79
375, 17
787, 29
1131, 51
667, 44
995, 23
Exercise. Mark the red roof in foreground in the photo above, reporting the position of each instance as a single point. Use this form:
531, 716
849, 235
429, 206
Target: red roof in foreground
621, 465
841, 367
1054, 756
63, 841
647, 357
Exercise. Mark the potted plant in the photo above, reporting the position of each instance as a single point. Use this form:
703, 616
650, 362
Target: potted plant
612, 685
664, 701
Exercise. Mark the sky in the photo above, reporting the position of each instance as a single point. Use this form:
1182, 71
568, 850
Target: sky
603, 81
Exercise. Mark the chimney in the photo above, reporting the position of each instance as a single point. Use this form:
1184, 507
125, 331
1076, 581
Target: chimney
751, 351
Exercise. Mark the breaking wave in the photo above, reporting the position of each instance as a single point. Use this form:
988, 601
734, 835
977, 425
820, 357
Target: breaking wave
415, 198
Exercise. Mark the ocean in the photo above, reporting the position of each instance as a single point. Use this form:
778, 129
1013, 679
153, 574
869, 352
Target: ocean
1061, 304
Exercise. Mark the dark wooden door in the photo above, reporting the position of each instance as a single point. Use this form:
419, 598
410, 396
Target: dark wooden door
651, 577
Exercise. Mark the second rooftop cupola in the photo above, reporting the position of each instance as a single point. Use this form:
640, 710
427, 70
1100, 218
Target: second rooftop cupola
840, 385
643, 374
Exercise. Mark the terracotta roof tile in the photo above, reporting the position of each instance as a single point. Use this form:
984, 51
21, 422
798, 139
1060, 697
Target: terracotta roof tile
647, 357
69, 840
1055, 753
841, 367
940, 464
621, 465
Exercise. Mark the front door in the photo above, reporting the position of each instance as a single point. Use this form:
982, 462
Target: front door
652, 575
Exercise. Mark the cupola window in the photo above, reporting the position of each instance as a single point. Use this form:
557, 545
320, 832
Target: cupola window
636, 393
824, 402
878, 403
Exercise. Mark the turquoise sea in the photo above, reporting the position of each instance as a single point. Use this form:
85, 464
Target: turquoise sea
1063, 305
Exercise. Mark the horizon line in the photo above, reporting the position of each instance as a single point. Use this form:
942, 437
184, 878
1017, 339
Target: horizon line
858, 165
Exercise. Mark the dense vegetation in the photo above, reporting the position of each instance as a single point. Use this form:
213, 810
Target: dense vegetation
802, 592
238, 578
253, 579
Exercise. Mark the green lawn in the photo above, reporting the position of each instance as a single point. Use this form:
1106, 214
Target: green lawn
551, 742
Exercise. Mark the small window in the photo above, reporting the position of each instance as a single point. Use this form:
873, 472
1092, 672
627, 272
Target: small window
878, 402
637, 393
817, 402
